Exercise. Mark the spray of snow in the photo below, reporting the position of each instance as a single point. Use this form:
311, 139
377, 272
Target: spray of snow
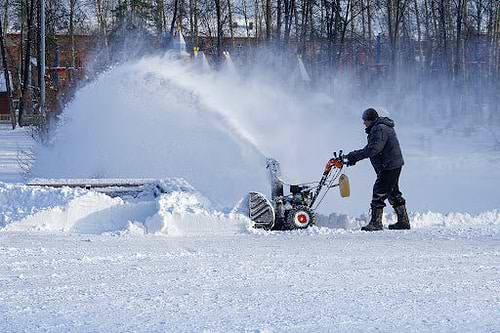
159, 117
134, 122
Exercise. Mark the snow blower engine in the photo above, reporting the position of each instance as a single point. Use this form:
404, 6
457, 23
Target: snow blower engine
295, 210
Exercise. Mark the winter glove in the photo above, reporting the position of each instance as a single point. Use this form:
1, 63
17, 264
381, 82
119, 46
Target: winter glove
350, 160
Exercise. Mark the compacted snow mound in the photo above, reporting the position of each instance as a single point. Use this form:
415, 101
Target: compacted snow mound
340, 221
417, 220
91, 213
18, 202
188, 212
179, 210
427, 219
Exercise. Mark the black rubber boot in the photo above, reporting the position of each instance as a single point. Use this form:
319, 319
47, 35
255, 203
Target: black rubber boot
376, 221
403, 220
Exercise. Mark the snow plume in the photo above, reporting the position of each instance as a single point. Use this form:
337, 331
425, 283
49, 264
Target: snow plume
137, 121
159, 117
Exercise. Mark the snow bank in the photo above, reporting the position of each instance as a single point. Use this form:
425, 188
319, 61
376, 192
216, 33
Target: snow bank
180, 210
429, 219
417, 220
91, 213
183, 213
18, 202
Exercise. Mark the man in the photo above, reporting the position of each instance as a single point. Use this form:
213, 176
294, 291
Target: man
385, 155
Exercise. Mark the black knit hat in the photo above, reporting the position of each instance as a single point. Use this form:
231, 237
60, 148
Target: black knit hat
370, 114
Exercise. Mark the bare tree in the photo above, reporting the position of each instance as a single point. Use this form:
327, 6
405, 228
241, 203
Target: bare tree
219, 27
26, 93
7, 77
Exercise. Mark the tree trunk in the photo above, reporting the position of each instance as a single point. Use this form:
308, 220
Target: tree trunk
288, 19
7, 78
5, 26
278, 19
23, 15
419, 31
159, 16
256, 18
444, 34
174, 17
245, 17
230, 16
458, 42
191, 22
72, 32
195, 16
428, 28
369, 18
26, 89
269, 23
345, 25
219, 28
479, 8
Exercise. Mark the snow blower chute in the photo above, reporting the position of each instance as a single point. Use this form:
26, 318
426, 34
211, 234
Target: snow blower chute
296, 209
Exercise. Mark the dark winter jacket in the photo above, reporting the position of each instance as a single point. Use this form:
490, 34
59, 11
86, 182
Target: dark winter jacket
383, 146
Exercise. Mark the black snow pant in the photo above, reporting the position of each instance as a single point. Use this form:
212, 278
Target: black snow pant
387, 187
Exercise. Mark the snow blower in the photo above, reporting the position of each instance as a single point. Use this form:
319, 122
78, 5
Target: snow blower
295, 210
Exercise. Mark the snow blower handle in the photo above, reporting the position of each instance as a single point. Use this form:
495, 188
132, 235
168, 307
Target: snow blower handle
336, 162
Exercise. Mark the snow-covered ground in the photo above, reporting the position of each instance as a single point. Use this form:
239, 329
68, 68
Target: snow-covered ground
14, 144
79, 261
437, 279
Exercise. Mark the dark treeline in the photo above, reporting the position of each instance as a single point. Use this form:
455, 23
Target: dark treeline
442, 57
